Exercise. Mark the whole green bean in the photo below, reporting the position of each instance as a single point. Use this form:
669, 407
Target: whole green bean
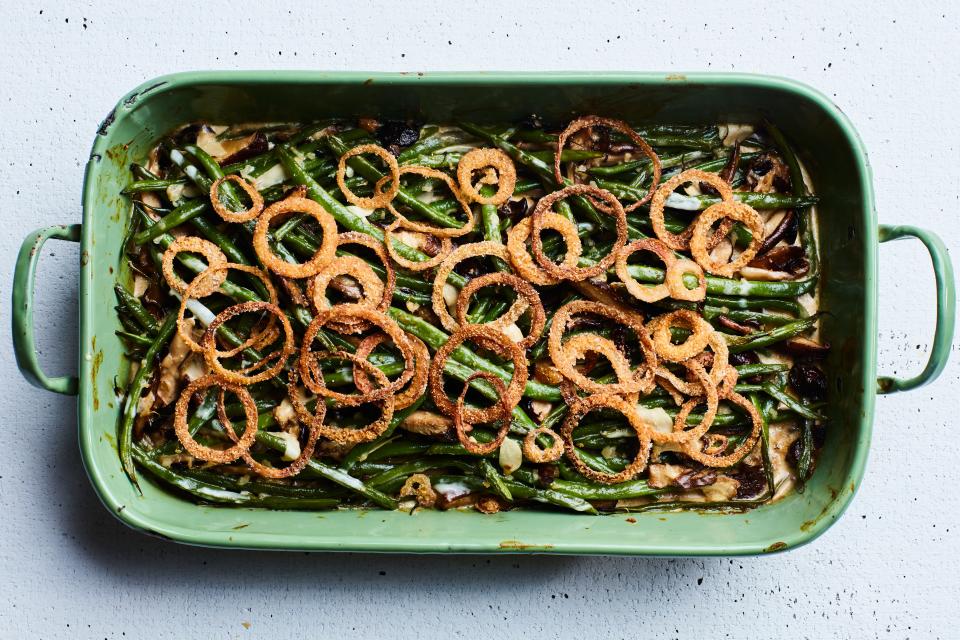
132, 403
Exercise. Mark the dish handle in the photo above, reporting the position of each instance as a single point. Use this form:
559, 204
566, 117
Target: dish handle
946, 307
24, 343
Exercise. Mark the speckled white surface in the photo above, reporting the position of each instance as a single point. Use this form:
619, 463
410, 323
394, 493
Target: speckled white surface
888, 569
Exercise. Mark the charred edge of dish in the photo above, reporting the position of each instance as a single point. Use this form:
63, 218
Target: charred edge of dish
130, 100
107, 122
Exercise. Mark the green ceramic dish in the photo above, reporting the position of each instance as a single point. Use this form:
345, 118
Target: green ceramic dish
827, 144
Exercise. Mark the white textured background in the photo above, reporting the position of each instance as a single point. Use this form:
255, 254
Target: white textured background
888, 569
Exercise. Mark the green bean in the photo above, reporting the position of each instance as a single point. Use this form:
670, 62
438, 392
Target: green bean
767, 338
402, 471
135, 308
495, 480
404, 196
729, 287
760, 369
805, 459
132, 403
701, 202
431, 143
360, 452
185, 212
594, 491
139, 186
548, 496
216, 493
779, 394
725, 303
332, 473
134, 338
799, 188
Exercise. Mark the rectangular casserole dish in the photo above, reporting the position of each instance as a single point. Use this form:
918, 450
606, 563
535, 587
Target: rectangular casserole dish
825, 141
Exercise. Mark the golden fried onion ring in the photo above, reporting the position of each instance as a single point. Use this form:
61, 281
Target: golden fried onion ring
701, 236
640, 379
581, 408
523, 262
591, 121
256, 200
613, 208
532, 450
676, 271
199, 451
309, 368
490, 337
527, 298
642, 292
681, 241
421, 371
479, 159
503, 416
381, 198
215, 260
211, 355
286, 207
455, 257
439, 232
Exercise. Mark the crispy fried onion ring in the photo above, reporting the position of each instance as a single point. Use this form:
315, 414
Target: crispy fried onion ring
480, 160
215, 260
377, 294
591, 121
259, 338
674, 280
387, 406
310, 371
256, 200
439, 232
613, 208
212, 356
461, 422
700, 240
421, 371
490, 337
681, 241
267, 471
380, 198
458, 255
523, 262
344, 435
643, 292
446, 246
638, 380
286, 207
527, 297
199, 451
418, 486
532, 450
707, 393
606, 401
693, 447
695, 343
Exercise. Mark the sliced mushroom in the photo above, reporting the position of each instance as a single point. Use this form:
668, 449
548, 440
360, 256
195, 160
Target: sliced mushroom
787, 259
785, 230
767, 173
806, 347
722, 490
734, 326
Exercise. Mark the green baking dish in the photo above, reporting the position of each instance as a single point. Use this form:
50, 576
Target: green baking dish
827, 144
